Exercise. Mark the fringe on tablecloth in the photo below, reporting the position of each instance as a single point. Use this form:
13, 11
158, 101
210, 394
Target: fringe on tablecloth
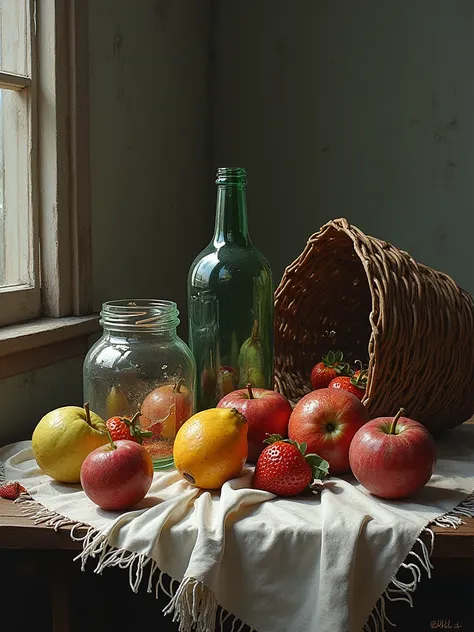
417, 561
193, 605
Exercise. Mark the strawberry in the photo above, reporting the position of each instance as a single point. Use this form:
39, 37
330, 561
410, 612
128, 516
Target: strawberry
355, 384
11, 491
126, 428
284, 469
331, 366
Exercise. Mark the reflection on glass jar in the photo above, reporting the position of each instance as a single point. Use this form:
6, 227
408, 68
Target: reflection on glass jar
141, 364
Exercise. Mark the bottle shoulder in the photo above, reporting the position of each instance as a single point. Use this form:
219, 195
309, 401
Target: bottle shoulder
229, 260
229, 252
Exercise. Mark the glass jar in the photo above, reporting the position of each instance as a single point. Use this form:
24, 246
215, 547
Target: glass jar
140, 364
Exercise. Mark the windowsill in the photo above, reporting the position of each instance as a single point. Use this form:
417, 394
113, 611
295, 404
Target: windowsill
31, 345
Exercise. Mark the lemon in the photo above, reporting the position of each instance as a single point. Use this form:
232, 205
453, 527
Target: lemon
211, 447
63, 438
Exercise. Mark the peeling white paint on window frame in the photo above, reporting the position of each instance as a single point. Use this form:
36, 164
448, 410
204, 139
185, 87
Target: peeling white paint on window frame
53, 182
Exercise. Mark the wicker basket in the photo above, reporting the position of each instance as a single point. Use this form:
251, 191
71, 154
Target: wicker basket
412, 325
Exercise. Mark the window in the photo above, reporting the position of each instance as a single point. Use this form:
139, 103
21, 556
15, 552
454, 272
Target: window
19, 259
44, 160
45, 250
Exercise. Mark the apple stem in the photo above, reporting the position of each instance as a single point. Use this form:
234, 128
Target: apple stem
111, 441
250, 392
393, 425
178, 385
88, 413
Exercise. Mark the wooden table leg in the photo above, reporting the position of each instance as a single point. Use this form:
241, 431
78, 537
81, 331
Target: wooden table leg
60, 596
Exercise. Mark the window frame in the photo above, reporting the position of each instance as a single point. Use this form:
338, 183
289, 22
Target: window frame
61, 184
64, 164
58, 104
22, 302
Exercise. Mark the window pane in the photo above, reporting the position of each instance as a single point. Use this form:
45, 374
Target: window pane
16, 265
14, 37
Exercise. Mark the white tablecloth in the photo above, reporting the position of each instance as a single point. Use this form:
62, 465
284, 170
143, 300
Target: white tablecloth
309, 564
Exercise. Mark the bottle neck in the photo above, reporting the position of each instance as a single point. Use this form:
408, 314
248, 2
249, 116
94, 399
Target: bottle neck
231, 215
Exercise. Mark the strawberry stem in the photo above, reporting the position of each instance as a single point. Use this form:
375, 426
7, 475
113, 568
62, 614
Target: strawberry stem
393, 425
360, 380
135, 417
135, 429
250, 392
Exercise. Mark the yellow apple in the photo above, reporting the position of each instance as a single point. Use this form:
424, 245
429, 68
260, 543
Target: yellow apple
63, 438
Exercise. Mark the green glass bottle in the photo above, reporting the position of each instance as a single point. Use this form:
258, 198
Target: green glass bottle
230, 301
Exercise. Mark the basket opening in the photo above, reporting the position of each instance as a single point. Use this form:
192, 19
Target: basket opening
325, 305
356, 293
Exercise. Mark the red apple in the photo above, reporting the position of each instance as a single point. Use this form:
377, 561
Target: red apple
393, 457
165, 409
326, 420
267, 412
117, 475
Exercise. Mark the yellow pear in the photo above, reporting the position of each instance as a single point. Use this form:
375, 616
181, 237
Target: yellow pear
63, 438
117, 402
211, 447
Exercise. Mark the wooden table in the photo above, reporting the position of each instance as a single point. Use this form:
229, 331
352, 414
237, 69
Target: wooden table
18, 532
42, 557
47, 592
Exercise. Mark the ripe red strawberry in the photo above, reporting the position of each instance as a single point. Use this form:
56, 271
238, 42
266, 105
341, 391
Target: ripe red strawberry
11, 491
284, 469
331, 366
126, 428
355, 384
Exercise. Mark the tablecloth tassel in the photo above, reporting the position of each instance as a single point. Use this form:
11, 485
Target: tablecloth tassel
418, 560
193, 606
151, 576
403, 589
455, 517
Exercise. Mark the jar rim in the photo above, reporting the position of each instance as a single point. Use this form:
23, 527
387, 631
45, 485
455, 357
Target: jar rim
135, 315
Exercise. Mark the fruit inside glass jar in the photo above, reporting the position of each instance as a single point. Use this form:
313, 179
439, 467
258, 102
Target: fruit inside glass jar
163, 412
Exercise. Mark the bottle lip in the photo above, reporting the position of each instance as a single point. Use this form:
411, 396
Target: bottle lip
139, 315
233, 176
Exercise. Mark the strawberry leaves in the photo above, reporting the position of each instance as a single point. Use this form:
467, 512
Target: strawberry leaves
359, 378
136, 431
126, 428
332, 358
335, 360
319, 466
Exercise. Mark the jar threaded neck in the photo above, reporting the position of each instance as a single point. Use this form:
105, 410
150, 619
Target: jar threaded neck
139, 315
